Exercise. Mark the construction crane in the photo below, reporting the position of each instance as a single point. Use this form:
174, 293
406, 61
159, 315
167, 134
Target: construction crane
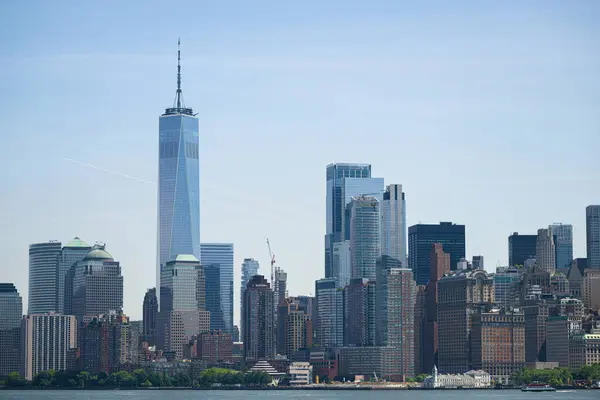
272, 259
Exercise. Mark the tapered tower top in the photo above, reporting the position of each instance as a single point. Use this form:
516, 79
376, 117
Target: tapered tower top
178, 104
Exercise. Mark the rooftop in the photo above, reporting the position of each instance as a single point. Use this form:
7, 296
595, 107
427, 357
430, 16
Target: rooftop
76, 243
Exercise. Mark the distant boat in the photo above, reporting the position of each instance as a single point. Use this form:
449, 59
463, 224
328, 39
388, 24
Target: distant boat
537, 387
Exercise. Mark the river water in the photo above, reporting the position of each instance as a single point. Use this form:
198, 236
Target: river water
297, 395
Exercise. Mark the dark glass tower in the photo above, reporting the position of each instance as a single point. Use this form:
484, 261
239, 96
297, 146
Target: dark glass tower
150, 308
178, 182
11, 313
420, 239
520, 248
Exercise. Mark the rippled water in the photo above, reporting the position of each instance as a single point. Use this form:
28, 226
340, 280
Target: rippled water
297, 394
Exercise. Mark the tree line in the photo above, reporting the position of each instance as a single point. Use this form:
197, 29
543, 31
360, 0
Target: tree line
138, 378
559, 376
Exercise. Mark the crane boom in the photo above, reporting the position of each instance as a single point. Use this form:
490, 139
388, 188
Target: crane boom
272, 259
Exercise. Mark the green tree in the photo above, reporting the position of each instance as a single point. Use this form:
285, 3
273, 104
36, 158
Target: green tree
140, 376
14, 379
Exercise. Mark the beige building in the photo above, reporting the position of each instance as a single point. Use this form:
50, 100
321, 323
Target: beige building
591, 289
585, 349
49, 342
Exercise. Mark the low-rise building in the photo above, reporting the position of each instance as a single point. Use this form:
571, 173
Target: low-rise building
300, 373
471, 379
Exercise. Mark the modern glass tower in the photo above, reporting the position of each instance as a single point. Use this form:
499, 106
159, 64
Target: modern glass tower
219, 256
335, 205
43, 266
178, 182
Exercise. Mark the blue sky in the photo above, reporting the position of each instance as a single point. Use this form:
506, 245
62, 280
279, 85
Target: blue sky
486, 113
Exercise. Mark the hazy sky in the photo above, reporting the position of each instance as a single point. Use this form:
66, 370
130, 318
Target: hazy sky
488, 114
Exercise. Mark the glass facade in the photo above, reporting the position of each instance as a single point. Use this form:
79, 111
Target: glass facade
11, 314
178, 291
71, 253
563, 244
220, 255
330, 313
592, 232
420, 239
335, 205
393, 224
43, 266
364, 236
520, 248
179, 187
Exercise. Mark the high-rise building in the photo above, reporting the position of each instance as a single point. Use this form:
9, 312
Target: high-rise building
592, 231
150, 310
478, 262
280, 285
395, 310
250, 268
178, 182
563, 243
330, 313
72, 252
359, 313
49, 342
294, 328
259, 321
212, 275
221, 255
180, 317
498, 343
43, 273
94, 285
342, 263
590, 289
393, 224
507, 281
364, 237
335, 206
460, 296
357, 187
521, 248
420, 239
420, 321
11, 313
545, 252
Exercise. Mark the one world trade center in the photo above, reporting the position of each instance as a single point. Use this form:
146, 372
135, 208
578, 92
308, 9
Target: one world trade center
178, 181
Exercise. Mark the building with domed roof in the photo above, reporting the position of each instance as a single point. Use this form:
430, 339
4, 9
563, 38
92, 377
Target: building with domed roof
72, 252
94, 285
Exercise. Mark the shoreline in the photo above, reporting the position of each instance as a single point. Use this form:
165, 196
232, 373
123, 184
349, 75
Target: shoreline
292, 388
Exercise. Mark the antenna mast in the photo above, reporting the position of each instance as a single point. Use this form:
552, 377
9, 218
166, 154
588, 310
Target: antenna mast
178, 74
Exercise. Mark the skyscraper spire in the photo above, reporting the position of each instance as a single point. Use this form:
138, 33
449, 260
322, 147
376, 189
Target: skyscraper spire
178, 74
179, 105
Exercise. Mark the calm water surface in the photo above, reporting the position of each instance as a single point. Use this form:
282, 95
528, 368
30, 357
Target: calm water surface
297, 394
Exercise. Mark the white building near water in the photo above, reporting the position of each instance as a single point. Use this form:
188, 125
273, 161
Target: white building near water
300, 373
470, 379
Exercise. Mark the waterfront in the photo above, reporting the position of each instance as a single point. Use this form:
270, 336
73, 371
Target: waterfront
295, 394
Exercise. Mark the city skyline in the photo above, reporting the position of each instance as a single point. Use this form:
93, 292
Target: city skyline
244, 142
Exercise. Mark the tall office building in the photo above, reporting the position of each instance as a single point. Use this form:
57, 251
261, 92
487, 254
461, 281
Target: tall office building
221, 255
212, 276
357, 187
11, 313
294, 328
150, 310
521, 248
178, 182
250, 268
545, 252
342, 263
72, 252
94, 285
359, 313
563, 243
507, 282
335, 206
43, 271
49, 342
459, 297
180, 318
592, 231
420, 239
259, 320
478, 262
364, 237
393, 221
395, 310
330, 313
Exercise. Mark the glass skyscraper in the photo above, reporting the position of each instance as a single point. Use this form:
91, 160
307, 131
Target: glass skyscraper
563, 242
178, 182
11, 313
43, 266
352, 187
335, 205
219, 255
364, 235
71, 253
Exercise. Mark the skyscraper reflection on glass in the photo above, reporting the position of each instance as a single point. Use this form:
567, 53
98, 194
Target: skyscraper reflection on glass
179, 182
219, 256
